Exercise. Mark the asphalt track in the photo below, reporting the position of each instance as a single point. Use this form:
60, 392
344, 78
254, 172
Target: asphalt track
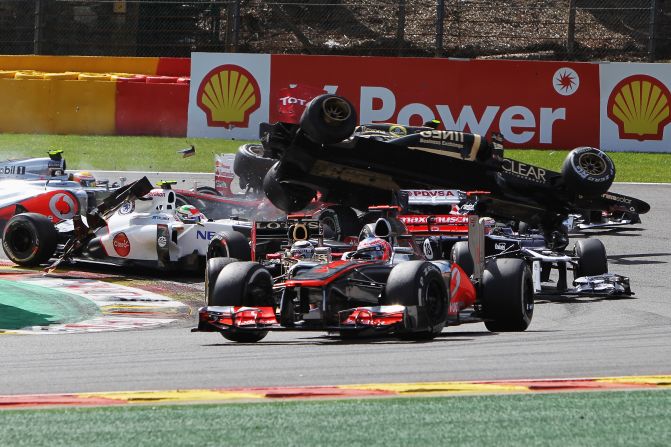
577, 337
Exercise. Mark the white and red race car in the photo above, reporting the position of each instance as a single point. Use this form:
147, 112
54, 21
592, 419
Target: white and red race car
136, 225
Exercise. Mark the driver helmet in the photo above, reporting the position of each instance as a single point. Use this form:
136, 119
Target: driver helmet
189, 214
373, 248
84, 178
302, 250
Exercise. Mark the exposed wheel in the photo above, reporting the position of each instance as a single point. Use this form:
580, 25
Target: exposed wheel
181, 200
251, 166
419, 283
328, 119
592, 258
341, 219
243, 284
588, 171
207, 190
286, 196
229, 244
212, 269
29, 239
507, 295
461, 256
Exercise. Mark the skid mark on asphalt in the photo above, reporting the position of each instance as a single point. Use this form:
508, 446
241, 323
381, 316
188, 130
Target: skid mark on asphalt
223, 395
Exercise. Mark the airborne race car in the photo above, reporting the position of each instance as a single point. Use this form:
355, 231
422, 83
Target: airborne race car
367, 293
135, 225
326, 152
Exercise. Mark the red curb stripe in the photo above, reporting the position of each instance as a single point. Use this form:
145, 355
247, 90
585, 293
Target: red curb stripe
38, 400
568, 385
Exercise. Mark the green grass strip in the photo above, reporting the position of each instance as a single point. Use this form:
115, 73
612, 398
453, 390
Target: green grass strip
24, 305
154, 154
622, 418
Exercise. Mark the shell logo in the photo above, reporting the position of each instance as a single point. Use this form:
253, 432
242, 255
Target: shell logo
639, 105
228, 95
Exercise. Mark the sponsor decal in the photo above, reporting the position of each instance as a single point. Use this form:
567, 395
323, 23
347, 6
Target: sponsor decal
413, 220
205, 235
445, 136
616, 198
162, 241
399, 131
523, 170
433, 192
426, 247
566, 81
121, 244
62, 206
500, 246
162, 217
228, 95
127, 207
639, 106
13, 170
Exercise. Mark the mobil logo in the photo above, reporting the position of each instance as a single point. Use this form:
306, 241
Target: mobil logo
205, 234
121, 244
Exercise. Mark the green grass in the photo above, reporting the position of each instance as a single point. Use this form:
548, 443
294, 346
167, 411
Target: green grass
609, 419
155, 154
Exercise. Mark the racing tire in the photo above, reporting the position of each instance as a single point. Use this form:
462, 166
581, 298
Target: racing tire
328, 119
413, 279
461, 256
29, 239
207, 190
341, 219
588, 171
507, 295
251, 166
286, 196
243, 284
212, 269
592, 260
229, 244
180, 200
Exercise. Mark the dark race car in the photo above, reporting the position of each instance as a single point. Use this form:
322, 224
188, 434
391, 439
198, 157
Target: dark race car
358, 166
384, 287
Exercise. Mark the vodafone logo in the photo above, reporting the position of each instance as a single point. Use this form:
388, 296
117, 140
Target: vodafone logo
62, 206
121, 244
228, 95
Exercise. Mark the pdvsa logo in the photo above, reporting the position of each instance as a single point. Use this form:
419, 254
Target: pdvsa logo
228, 95
639, 105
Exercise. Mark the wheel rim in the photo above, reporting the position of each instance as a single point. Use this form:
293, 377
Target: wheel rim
21, 241
336, 111
433, 299
592, 164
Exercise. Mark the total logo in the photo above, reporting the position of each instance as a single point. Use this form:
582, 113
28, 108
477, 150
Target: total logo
62, 206
121, 244
639, 105
228, 95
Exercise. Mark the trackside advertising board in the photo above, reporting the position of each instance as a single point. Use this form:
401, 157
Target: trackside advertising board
534, 104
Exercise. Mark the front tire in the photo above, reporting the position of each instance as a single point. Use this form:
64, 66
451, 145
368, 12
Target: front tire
341, 219
508, 295
461, 255
251, 166
592, 260
588, 171
229, 244
243, 284
29, 239
212, 269
419, 283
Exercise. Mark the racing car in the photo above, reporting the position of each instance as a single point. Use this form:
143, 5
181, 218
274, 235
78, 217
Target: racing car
326, 152
141, 225
384, 287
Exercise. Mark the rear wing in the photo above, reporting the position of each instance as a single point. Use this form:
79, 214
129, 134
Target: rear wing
273, 236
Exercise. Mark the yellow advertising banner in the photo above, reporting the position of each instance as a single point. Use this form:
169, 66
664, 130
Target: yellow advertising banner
58, 107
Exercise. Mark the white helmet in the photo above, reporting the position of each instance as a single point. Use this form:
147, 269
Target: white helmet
302, 250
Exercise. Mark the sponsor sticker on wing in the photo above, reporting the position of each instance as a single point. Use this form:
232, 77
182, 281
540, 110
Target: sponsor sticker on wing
432, 196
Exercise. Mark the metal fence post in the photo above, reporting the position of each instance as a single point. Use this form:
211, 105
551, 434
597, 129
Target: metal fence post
570, 32
37, 35
236, 25
440, 26
653, 31
400, 29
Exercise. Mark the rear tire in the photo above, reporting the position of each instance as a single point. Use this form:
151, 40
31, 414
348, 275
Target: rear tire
29, 239
411, 280
588, 171
461, 256
592, 260
229, 244
341, 219
328, 119
207, 190
286, 196
251, 166
508, 295
243, 284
